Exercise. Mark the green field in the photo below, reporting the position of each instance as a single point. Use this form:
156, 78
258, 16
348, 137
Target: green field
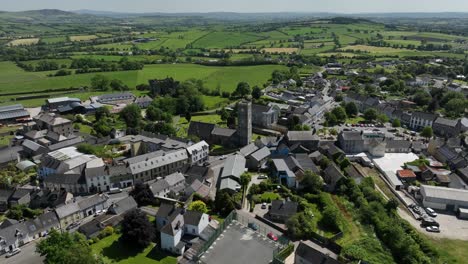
14, 79
115, 252
225, 39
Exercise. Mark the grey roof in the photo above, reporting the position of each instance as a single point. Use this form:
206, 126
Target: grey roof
249, 149
200, 129
20, 193
5, 194
159, 186
261, 154
67, 178
146, 162
434, 194
92, 201
168, 211
351, 135
225, 132
260, 108
66, 210
332, 174
174, 178
306, 163
124, 205
192, 217
66, 143
301, 136
13, 114
9, 108
316, 254
31, 145
391, 144
424, 115
284, 208
234, 166
446, 122
228, 183
116, 96
25, 165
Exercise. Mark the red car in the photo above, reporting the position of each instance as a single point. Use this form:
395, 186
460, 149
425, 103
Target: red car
272, 236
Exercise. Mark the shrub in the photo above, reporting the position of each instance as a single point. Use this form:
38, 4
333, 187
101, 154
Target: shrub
107, 231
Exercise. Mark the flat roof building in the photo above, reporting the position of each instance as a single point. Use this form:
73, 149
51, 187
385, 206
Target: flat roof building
443, 198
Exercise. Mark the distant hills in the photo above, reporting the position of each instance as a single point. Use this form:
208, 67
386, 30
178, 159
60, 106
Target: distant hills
93, 16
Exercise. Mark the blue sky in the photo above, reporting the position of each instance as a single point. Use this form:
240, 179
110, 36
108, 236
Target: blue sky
341, 6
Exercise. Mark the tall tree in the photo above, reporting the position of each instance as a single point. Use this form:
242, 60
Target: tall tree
198, 206
100, 82
311, 182
427, 132
351, 109
69, 248
242, 89
370, 115
131, 114
256, 92
137, 230
142, 194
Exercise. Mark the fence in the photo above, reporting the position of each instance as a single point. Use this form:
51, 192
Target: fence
279, 255
212, 239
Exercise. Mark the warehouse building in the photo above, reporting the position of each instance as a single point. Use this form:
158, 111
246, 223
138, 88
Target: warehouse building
443, 198
13, 113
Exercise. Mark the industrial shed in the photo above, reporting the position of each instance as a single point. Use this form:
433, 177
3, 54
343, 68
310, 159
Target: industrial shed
443, 198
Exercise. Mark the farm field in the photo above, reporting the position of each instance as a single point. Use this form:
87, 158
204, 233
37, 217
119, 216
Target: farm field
53, 40
83, 37
225, 39
24, 42
281, 50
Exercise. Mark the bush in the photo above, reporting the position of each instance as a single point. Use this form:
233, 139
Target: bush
107, 231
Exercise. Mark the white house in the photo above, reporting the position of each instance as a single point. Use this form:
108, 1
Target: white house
198, 152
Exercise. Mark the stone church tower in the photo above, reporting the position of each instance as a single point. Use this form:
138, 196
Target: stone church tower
244, 129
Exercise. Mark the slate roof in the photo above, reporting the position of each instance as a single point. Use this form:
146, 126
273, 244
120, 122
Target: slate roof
200, 129
192, 217
168, 211
425, 116
314, 254
446, 122
225, 132
234, 166
398, 144
351, 135
146, 162
257, 108
249, 149
306, 163
283, 208
123, 206
228, 183
261, 154
301, 136
20, 193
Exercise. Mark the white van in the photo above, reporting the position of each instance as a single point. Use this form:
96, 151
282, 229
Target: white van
115, 190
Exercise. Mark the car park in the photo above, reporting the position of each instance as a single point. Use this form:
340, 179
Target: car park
434, 229
13, 252
253, 226
272, 236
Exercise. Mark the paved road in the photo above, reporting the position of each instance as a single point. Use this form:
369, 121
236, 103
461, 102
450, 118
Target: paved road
28, 255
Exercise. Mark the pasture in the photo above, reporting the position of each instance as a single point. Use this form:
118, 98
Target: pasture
23, 42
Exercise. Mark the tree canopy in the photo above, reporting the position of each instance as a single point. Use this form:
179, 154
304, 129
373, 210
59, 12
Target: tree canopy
137, 230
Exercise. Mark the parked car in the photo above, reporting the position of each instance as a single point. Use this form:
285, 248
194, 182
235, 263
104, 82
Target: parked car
73, 225
429, 222
272, 236
264, 205
115, 190
13, 252
434, 229
261, 177
223, 157
431, 212
253, 226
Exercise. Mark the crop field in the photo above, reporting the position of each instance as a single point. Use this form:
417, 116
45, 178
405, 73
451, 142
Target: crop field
52, 40
225, 39
281, 50
24, 42
83, 38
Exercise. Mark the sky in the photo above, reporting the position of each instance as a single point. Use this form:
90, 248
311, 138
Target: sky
244, 6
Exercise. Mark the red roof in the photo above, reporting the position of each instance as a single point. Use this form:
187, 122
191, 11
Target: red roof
406, 174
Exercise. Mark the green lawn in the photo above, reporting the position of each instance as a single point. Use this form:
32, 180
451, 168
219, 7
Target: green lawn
214, 102
115, 252
354, 120
225, 39
271, 196
451, 251
182, 124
